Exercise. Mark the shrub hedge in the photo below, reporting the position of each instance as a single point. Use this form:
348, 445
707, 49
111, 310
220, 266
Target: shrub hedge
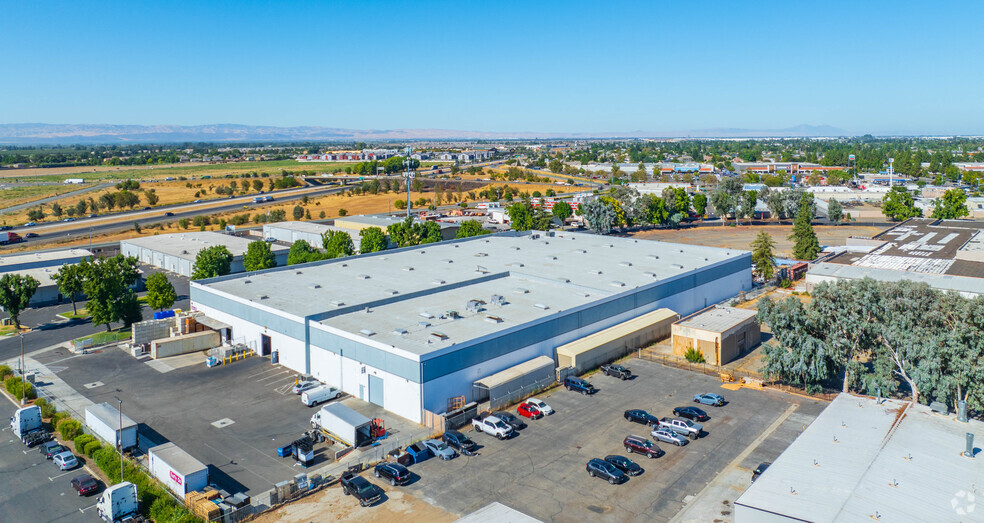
91, 448
82, 440
14, 387
69, 428
5, 371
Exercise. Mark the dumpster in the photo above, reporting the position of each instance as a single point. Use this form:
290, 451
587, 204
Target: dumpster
418, 452
284, 451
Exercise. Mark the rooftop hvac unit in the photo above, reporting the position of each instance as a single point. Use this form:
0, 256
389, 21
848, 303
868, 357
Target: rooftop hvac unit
498, 300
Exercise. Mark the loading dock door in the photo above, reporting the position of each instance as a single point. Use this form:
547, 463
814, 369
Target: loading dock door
376, 390
265, 345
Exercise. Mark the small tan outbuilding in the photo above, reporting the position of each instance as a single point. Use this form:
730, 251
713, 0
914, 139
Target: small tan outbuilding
615, 342
721, 334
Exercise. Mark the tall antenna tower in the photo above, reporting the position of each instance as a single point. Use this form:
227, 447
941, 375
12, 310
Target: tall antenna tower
409, 176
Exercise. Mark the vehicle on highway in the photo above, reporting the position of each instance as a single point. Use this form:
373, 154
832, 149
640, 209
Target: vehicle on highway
85, 484
616, 371
599, 468
460, 442
396, 474
691, 413
360, 488
544, 408
51, 448
669, 436
31, 235
493, 426
573, 383
305, 384
529, 411
624, 464
507, 418
641, 416
709, 398
5, 227
30, 224
682, 426
269, 240
169, 213
69, 220
65, 461
439, 449
320, 394
760, 469
641, 445
146, 208
198, 201
93, 215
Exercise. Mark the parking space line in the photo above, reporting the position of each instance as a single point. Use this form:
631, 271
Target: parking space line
274, 377
264, 372
60, 475
82, 510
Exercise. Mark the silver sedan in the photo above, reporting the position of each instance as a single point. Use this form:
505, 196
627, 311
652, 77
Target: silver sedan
669, 436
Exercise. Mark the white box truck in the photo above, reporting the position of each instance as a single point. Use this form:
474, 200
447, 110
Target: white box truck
343, 424
318, 395
118, 502
24, 420
103, 420
177, 469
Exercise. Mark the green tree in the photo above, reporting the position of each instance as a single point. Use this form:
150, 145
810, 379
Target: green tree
258, 256
700, 204
70, 280
652, 210
562, 211
302, 252
211, 262
726, 197
151, 196
806, 246
108, 285
16, 291
763, 255
471, 228
373, 239
184, 223
520, 216
899, 205
81, 207
56, 209
952, 205
35, 214
409, 233
337, 244
160, 293
298, 212
835, 213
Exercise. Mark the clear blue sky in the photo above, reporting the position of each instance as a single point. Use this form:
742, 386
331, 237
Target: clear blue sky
539, 66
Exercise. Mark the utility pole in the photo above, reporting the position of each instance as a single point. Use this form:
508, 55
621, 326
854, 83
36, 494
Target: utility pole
23, 376
119, 439
409, 177
890, 172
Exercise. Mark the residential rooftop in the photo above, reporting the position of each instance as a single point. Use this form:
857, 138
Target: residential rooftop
717, 319
864, 459
185, 245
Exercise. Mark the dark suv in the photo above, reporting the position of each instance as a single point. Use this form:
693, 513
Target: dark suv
641, 445
641, 416
515, 422
599, 468
396, 474
616, 371
460, 442
579, 385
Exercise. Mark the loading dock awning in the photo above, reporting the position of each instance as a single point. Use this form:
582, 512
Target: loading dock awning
212, 323
536, 366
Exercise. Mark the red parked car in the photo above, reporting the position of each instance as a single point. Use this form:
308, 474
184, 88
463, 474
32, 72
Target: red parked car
529, 411
85, 484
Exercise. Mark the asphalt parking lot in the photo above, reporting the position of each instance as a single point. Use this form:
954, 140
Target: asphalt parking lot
33, 487
231, 417
542, 470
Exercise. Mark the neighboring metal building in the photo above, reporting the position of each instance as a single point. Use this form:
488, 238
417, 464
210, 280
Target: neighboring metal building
867, 459
721, 334
42, 266
290, 232
510, 383
448, 229
176, 252
945, 254
409, 329
617, 341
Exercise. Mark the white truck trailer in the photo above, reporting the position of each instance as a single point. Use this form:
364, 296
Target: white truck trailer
343, 424
24, 420
103, 420
118, 503
176, 469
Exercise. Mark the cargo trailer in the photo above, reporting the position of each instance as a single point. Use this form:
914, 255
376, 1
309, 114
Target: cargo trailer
177, 469
103, 421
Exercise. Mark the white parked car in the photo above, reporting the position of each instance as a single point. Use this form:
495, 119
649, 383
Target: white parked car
539, 404
305, 384
65, 461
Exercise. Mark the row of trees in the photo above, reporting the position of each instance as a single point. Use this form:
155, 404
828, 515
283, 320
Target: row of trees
899, 204
623, 207
870, 337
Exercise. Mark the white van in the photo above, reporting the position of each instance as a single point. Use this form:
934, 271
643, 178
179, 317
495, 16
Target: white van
319, 395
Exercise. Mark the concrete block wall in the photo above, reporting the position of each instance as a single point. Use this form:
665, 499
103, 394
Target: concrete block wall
150, 330
184, 344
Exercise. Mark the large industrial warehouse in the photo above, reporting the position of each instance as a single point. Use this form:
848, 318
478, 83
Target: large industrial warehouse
408, 329
176, 252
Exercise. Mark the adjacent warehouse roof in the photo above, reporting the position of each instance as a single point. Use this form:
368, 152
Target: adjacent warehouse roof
185, 245
178, 459
308, 231
517, 371
864, 460
378, 220
718, 319
21, 263
621, 330
110, 415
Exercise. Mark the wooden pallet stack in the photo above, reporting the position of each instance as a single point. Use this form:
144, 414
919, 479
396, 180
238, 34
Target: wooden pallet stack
200, 504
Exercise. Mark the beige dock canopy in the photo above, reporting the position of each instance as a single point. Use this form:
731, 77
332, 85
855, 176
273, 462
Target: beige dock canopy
615, 342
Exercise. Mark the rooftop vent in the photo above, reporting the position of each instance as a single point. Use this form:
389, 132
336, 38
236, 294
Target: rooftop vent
616, 283
625, 264
447, 260
515, 247
337, 303
261, 296
520, 290
493, 319
474, 305
580, 251
540, 306
653, 256
367, 332
650, 273
438, 281
399, 332
314, 286
594, 271
391, 292
424, 324
677, 265
498, 300
427, 315
551, 257
344, 265
480, 254
582, 294
408, 268
298, 272
247, 281
516, 264
363, 276
564, 280
439, 335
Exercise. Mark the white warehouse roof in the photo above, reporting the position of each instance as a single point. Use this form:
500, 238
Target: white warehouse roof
185, 245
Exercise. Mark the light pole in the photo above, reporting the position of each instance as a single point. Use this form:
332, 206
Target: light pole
23, 376
409, 177
119, 439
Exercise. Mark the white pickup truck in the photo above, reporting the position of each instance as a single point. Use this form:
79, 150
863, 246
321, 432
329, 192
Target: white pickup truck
493, 426
681, 426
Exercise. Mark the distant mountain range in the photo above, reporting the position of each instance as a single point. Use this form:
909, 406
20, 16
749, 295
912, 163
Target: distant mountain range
47, 134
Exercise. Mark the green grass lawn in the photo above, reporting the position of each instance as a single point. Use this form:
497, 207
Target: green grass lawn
82, 314
101, 338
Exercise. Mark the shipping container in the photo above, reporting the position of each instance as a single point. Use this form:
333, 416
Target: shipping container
177, 469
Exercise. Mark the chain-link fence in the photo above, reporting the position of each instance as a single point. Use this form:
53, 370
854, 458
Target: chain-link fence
502, 399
